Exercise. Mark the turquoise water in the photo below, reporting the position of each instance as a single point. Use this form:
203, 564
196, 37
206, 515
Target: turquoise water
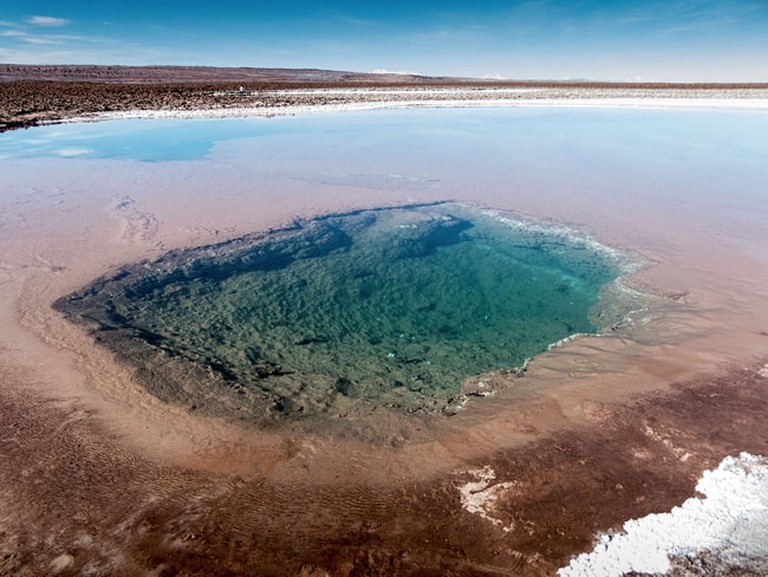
390, 306
140, 140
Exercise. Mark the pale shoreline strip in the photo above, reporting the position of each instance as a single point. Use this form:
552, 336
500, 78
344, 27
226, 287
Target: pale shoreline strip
718, 102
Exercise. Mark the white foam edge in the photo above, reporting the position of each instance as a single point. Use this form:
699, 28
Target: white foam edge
628, 264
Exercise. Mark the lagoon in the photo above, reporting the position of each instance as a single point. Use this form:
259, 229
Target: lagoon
608, 176
606, 426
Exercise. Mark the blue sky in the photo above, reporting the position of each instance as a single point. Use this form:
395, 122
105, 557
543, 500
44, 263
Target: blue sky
686, 40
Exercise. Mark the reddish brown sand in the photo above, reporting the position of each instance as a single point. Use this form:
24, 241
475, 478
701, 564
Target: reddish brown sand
99, 478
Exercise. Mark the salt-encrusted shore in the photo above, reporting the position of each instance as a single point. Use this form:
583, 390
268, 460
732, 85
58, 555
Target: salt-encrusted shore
37, 95
729, 525
317, 101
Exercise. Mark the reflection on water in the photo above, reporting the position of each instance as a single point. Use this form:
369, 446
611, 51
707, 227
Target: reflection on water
388, 307
339, 313
570, 136
142, 140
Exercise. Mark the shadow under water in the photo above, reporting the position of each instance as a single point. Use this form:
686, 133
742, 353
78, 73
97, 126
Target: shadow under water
387, 307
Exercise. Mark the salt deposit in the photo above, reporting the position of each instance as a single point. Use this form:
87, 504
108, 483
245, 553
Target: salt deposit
481, 495
730, 521
314, 101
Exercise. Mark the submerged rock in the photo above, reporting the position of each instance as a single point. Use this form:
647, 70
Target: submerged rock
393, 307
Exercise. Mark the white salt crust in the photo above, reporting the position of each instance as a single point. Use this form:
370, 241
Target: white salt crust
480, 495
729, 522
373, 99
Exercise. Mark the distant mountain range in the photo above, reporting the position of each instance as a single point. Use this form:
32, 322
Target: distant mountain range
287, 76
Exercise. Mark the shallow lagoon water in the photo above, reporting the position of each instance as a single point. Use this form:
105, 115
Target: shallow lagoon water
270, 338
572, 136
685, 189
140, 140
392, 307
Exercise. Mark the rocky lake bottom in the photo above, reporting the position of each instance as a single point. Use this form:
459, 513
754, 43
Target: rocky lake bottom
395, 307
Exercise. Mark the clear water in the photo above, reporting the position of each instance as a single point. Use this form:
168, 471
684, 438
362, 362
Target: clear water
140, 140
392, 306
347, 312
584, 138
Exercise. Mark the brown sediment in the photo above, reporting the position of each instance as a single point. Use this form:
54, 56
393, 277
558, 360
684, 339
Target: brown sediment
93, 505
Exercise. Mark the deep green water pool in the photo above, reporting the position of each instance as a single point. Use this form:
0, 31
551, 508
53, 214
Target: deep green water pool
391, 306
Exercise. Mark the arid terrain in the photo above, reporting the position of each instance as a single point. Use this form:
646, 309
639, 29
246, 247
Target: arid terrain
98, 477
30, 95
77, 501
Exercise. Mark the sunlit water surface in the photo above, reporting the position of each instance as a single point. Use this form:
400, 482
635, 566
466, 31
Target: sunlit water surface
395, 306
390, 306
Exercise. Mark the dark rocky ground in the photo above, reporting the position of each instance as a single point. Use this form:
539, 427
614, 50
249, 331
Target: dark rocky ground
33, 94
30, 95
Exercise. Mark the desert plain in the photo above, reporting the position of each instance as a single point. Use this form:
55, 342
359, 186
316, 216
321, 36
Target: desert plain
99, 477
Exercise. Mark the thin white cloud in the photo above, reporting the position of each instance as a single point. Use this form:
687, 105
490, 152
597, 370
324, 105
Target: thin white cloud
54, 39
51, 21
13, 34
454, 34
345, 18
89, 51
41, 40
